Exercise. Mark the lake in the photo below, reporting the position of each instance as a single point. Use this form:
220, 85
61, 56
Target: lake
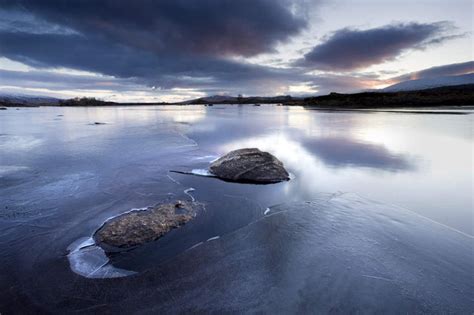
379, 206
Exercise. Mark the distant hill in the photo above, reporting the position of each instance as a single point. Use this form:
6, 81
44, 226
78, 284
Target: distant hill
223, 99
431, 83
442, 96
22, 100
215, 99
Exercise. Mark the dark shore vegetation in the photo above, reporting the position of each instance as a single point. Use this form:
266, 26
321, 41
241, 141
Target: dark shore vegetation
85, 101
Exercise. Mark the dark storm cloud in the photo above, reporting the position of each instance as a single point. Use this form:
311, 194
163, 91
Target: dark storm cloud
348, 49
186, 44
213, 27
165, 70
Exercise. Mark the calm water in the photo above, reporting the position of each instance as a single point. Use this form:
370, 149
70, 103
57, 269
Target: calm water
61, 176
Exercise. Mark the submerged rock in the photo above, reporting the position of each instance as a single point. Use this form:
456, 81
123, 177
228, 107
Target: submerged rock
141, 226
249, 165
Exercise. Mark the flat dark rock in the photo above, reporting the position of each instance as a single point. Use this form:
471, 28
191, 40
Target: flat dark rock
249, 165
141, 226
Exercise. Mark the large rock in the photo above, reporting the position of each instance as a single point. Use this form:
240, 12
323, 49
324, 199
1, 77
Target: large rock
249, 165
140, 226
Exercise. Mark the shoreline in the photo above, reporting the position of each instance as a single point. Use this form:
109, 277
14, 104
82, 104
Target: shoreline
424, 109
447, 96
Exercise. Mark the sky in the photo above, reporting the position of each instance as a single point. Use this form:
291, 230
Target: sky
173, 50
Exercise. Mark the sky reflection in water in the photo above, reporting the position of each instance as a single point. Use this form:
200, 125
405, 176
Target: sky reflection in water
422, 162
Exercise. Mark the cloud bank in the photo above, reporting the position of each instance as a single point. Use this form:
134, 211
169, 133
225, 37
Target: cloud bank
348, 49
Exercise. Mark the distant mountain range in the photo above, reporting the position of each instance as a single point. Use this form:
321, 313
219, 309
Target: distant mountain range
26, 100
421, 84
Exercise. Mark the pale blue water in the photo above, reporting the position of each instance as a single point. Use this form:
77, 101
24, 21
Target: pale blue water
61, 176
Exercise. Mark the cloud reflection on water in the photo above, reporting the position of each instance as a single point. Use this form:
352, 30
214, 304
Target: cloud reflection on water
308, 159
347, 152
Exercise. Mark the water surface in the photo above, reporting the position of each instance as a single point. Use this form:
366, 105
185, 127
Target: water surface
62, 175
